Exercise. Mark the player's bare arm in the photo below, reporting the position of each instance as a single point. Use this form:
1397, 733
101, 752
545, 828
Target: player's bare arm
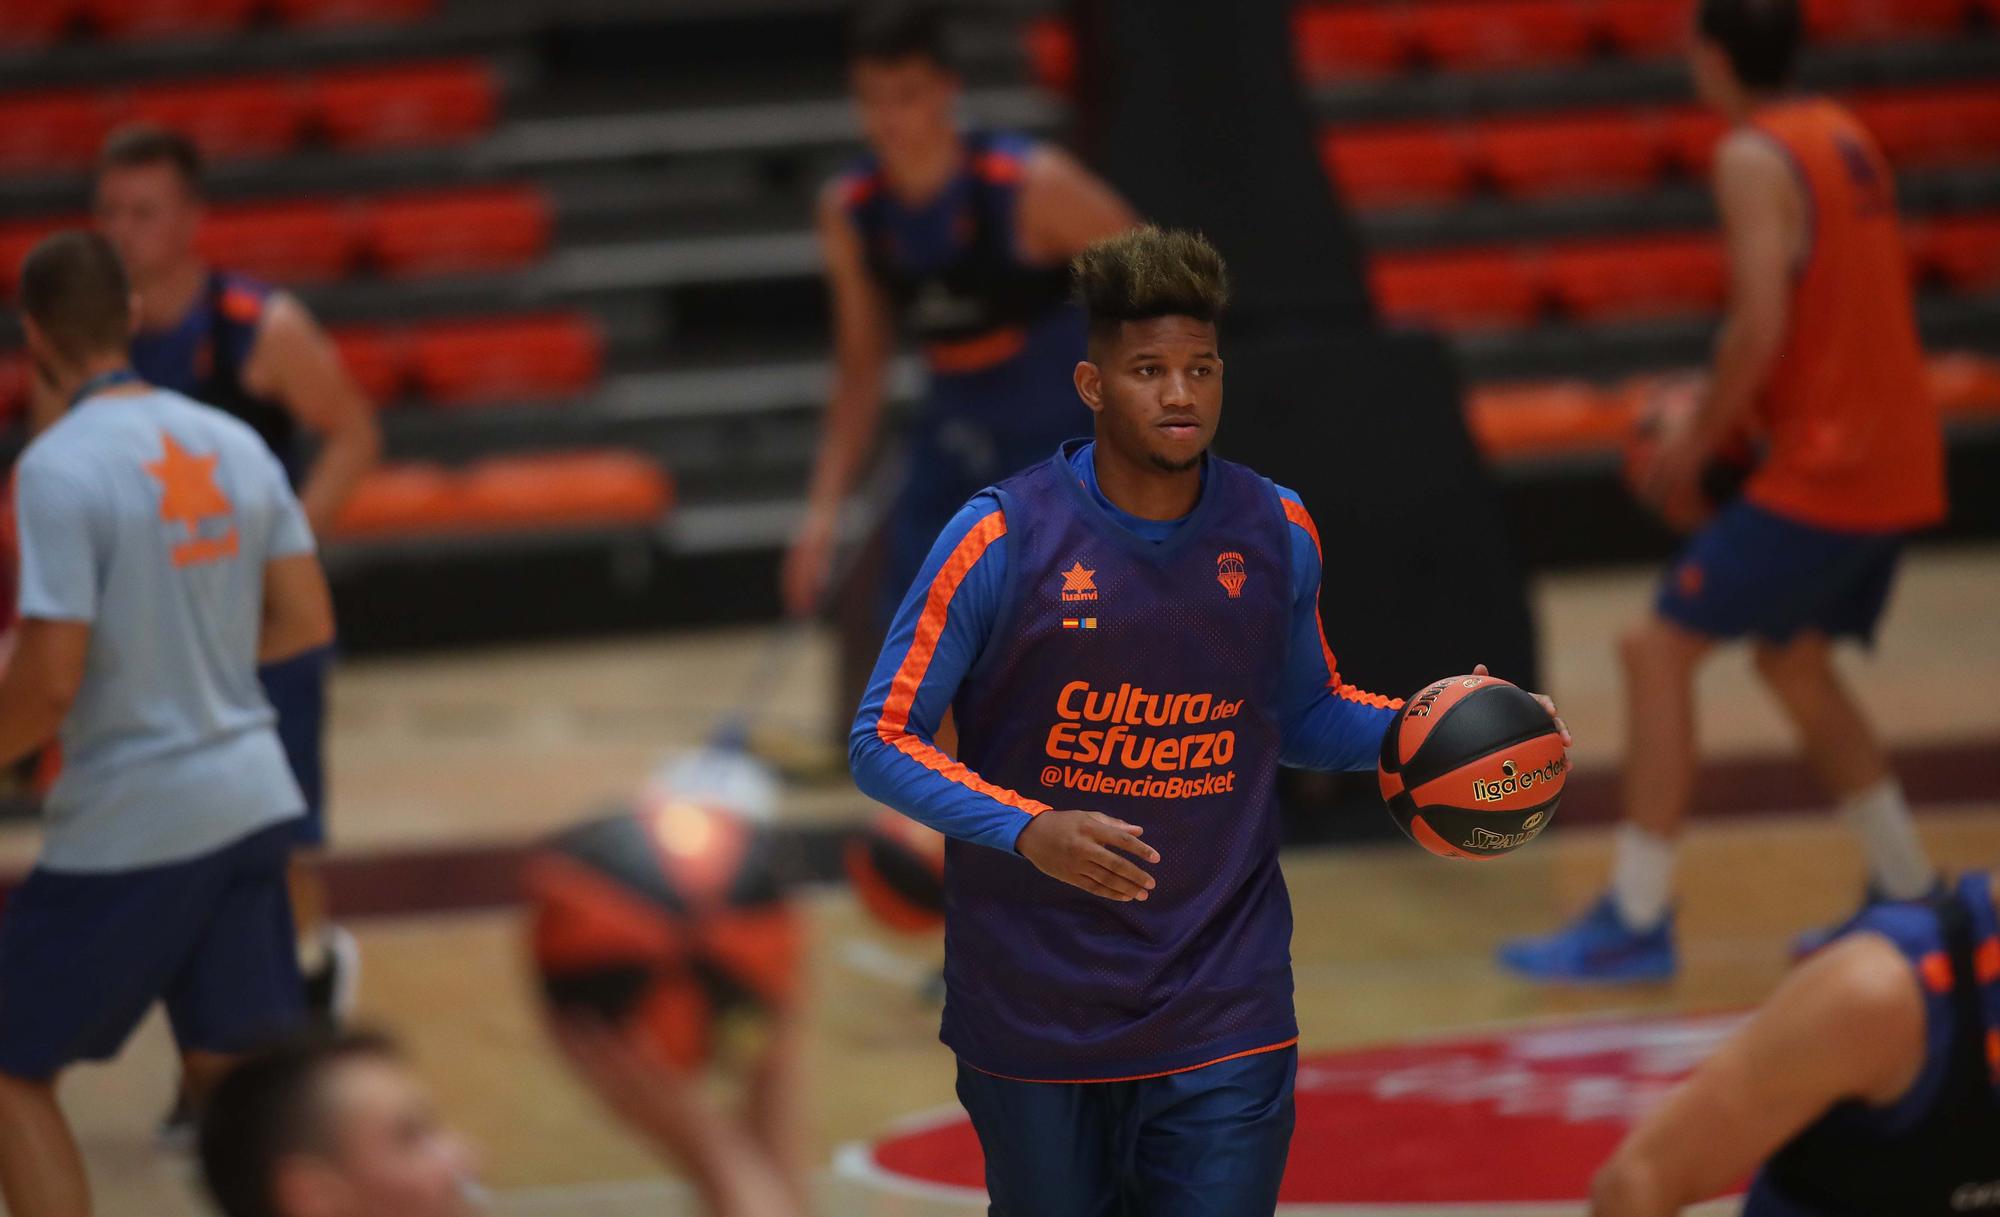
295, 362
1763, 229
1848, 1024
42, 679
1084, 849
1064, 207
298, 608
862, 339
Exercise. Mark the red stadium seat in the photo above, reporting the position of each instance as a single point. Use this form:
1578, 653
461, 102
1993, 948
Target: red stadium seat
377, 359
18, 238
566, 490
1933, 126
1398, 163
1963, 384
13, 385
406, 106
1050, 43
1543, 419
1689, 137
303, 242
352, 12
506, 359
253, 116
1464, 34
465, 230
1337, 40
1963, 250
171, 18
1644, 28
1473, 289
1879, 20
1570, 154
26, 23
58, 129
1634, 278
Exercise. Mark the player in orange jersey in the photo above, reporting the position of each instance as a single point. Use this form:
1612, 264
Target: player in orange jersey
1820, 348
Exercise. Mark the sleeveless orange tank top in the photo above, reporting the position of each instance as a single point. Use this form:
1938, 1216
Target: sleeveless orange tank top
1854, 439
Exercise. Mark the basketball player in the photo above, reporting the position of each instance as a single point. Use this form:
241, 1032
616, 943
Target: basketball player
1820, 346
163, 556
331, 1127
1128, 633
227, 340
1868, 1084
959, 241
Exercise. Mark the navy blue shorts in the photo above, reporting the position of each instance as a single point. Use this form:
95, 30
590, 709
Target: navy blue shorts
296, 689
1752, 573
83, 956
1209, 1142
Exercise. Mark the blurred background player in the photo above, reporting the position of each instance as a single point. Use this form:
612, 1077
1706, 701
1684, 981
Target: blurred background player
1868, 1083
332, 1126
163, 556
1111, 1052
1820, 346
959, 241
227, 340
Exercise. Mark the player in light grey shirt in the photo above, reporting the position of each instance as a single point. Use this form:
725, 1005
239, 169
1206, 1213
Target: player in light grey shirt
163, 556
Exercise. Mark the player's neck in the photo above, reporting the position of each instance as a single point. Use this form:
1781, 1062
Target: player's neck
1745, 103
917, 178
1144, 490
73, 379
166, 297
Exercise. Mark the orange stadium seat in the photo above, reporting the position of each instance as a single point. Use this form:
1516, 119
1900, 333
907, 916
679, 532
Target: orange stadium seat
1644, 28
1934, 126
506, 359
1633, 278
25, 23
566, 490
1335, 40
1473, 289
1963, 250
397, 499
251, 116
1398, 163
1050, 43
464, 230
1570, 154
1546, 419
1689, 137
154, 18
1876, 20
1964, 383
1462, 34
57, 129
406, 105
377, 359
295, 242
352, 12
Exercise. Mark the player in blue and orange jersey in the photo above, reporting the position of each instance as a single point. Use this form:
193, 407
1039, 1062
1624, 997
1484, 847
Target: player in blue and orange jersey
1869, 1084
227, 340
958, 241
1820, 349
163, 556
1130, 627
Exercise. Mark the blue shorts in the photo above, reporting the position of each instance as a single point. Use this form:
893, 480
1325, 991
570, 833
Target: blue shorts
83, 956
1210, 1142
296, 689
1753, 573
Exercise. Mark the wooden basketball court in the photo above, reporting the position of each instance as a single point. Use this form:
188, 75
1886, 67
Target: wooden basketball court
485, 750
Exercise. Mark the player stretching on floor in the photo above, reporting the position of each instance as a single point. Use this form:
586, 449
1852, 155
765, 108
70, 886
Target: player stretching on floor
1820, 346
1868, 1086
1132, 625
163, 557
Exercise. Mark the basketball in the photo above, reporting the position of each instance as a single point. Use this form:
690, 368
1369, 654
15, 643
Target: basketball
1473, 767
896, 867
1663, 408
665, 922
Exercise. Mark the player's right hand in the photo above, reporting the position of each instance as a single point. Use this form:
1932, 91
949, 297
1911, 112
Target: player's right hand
1081, 848
807, 564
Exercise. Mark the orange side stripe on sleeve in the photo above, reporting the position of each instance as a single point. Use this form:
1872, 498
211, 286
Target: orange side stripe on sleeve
1986, 961
1297, 514
1935, 968
892, 727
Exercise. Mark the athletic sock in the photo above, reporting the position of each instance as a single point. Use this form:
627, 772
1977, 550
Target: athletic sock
1642, 877
1897, 863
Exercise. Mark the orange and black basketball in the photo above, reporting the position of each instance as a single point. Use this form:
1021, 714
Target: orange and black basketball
896, 867
664, 922
1473, 767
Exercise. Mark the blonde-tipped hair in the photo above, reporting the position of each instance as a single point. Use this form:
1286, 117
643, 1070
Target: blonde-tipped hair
1150, 272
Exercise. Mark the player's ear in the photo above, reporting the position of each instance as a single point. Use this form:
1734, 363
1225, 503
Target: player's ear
1090, 385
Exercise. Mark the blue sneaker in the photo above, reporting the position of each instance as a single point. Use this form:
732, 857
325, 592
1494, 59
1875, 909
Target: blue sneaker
1812, 940
1597, 949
